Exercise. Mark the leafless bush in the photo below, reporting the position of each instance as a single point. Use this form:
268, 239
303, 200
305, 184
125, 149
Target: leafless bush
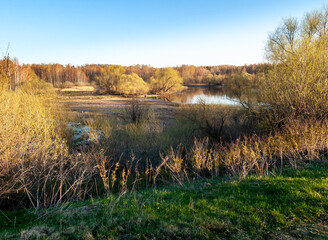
135, 110
217, 122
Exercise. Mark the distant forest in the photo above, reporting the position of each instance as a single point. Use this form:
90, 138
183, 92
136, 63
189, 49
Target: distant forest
62, 75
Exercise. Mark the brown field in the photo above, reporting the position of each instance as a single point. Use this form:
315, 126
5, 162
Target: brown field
85, 100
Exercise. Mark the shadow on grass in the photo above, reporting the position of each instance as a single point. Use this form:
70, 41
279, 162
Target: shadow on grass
211, 209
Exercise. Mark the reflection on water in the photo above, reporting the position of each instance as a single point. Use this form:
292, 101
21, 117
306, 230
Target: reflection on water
211, 95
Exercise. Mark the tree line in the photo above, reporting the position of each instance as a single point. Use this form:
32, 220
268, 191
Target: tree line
108, 76
136, 79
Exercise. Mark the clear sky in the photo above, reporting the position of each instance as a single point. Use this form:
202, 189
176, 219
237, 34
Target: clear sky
155, 32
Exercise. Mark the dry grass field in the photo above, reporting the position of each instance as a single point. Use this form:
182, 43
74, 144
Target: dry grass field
84, 100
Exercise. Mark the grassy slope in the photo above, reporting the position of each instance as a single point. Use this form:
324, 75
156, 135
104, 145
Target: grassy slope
213, 209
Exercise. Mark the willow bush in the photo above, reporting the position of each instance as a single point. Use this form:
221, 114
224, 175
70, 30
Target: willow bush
132, 84
165, 81
36, 167
297, 84
28, 133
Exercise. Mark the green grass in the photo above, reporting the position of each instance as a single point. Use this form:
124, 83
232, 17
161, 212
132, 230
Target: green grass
228, 208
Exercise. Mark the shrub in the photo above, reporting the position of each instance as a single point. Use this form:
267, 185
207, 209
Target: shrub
297, 86
132, 84
30, 138
218, 122
166, 80
241, 86
109, 77
135, 111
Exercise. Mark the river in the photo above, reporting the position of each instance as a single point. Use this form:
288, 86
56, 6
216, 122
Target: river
210, 95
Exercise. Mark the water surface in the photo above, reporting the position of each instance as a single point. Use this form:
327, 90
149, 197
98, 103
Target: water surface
210, 95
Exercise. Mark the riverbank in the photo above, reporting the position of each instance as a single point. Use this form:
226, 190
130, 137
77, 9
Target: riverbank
292, 205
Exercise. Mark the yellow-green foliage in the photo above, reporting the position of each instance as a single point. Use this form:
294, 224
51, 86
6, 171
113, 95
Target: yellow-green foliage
132, 84
30, 137
241, 85
297, 85
110, 75
214, 79
27, 122
166, 80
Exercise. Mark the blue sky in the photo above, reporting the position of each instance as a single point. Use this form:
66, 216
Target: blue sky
156, 32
